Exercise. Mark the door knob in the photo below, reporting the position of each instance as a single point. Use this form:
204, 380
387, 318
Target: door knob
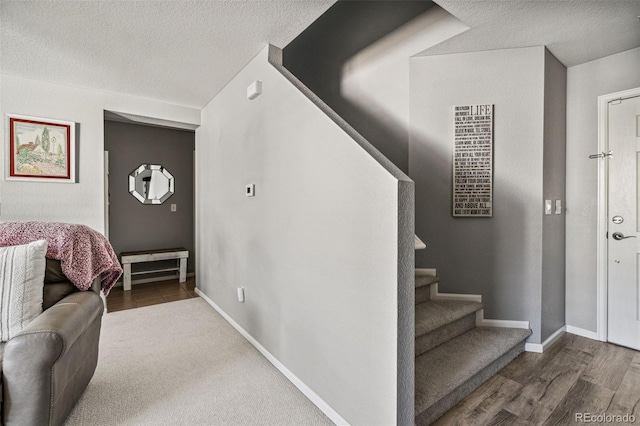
620, 236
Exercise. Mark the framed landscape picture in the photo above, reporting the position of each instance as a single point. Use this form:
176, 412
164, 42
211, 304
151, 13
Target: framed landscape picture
41, 149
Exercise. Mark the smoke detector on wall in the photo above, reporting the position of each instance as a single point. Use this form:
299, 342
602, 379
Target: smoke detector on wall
254, 90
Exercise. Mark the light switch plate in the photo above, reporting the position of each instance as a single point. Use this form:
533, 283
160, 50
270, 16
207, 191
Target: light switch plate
547, 206
558, 206
173, 207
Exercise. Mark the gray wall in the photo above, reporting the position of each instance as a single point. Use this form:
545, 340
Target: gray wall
584, 84
501, 257
554, 228
136, 226
316, 249
318, 54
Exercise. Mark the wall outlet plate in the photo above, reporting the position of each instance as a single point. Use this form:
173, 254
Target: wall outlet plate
558, 206
250, 190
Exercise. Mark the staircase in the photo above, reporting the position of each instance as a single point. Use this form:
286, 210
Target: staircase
453, 355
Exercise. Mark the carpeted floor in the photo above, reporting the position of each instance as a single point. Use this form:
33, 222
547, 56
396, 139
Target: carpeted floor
181, 363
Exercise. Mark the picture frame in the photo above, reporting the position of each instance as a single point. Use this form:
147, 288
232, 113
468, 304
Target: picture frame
41, 149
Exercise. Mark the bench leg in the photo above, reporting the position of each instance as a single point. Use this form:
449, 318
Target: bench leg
126, 276
183, 269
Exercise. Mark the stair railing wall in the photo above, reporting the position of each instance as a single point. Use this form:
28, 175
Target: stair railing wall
324, 249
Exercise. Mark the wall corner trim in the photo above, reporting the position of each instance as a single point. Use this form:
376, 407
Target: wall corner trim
315, 399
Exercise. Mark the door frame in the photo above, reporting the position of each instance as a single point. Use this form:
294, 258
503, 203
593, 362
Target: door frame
603, 208
106, 194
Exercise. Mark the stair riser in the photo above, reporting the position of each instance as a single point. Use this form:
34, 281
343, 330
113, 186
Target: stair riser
423, 294
443, 334
436, 410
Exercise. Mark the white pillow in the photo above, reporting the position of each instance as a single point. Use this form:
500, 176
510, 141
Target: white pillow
21, 281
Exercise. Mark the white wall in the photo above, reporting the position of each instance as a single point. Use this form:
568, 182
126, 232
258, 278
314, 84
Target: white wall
376, 80
499, 257
316, 249
82, 202
584, 84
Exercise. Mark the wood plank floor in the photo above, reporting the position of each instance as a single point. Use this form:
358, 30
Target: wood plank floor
150, 294
575, 375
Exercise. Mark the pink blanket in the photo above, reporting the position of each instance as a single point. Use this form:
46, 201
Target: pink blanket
83, 253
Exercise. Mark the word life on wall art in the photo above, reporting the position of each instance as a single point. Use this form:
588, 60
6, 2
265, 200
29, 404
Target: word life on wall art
473, 161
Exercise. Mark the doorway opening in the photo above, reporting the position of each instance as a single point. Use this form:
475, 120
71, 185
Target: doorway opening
615, 159
165, 223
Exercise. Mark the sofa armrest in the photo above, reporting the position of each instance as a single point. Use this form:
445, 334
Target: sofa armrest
41, 362
63, 322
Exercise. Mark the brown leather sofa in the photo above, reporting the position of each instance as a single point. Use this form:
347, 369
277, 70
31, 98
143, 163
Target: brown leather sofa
48, 365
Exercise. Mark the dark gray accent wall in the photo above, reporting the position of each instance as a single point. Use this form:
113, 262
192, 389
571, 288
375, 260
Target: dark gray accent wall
554, 179
135, 226
317, 55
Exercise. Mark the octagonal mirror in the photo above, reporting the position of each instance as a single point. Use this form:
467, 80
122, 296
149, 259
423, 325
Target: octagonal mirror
151, 184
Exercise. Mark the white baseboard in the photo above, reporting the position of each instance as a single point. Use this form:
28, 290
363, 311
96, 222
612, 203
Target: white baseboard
481, 321
534, 347
541, 347
426, 271
582, 332
319, 402
436, 295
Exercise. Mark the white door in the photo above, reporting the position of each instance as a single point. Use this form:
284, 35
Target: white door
624, 223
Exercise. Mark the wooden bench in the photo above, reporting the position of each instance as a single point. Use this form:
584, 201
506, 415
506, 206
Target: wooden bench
130, 257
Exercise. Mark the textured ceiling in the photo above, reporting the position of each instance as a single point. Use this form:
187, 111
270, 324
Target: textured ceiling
184, 51
575, 31
181, 51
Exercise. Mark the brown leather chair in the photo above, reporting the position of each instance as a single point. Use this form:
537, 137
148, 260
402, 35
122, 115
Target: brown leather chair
48, 365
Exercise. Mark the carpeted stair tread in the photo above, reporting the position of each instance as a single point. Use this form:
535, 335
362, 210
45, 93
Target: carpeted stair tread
425, 280
444, 368
434, 314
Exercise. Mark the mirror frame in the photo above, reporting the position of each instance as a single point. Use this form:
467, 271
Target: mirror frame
156, 170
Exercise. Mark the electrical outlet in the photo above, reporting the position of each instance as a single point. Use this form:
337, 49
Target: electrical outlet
250, 190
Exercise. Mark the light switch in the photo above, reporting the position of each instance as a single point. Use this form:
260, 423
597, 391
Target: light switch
173, 207
547, 206
558, 206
